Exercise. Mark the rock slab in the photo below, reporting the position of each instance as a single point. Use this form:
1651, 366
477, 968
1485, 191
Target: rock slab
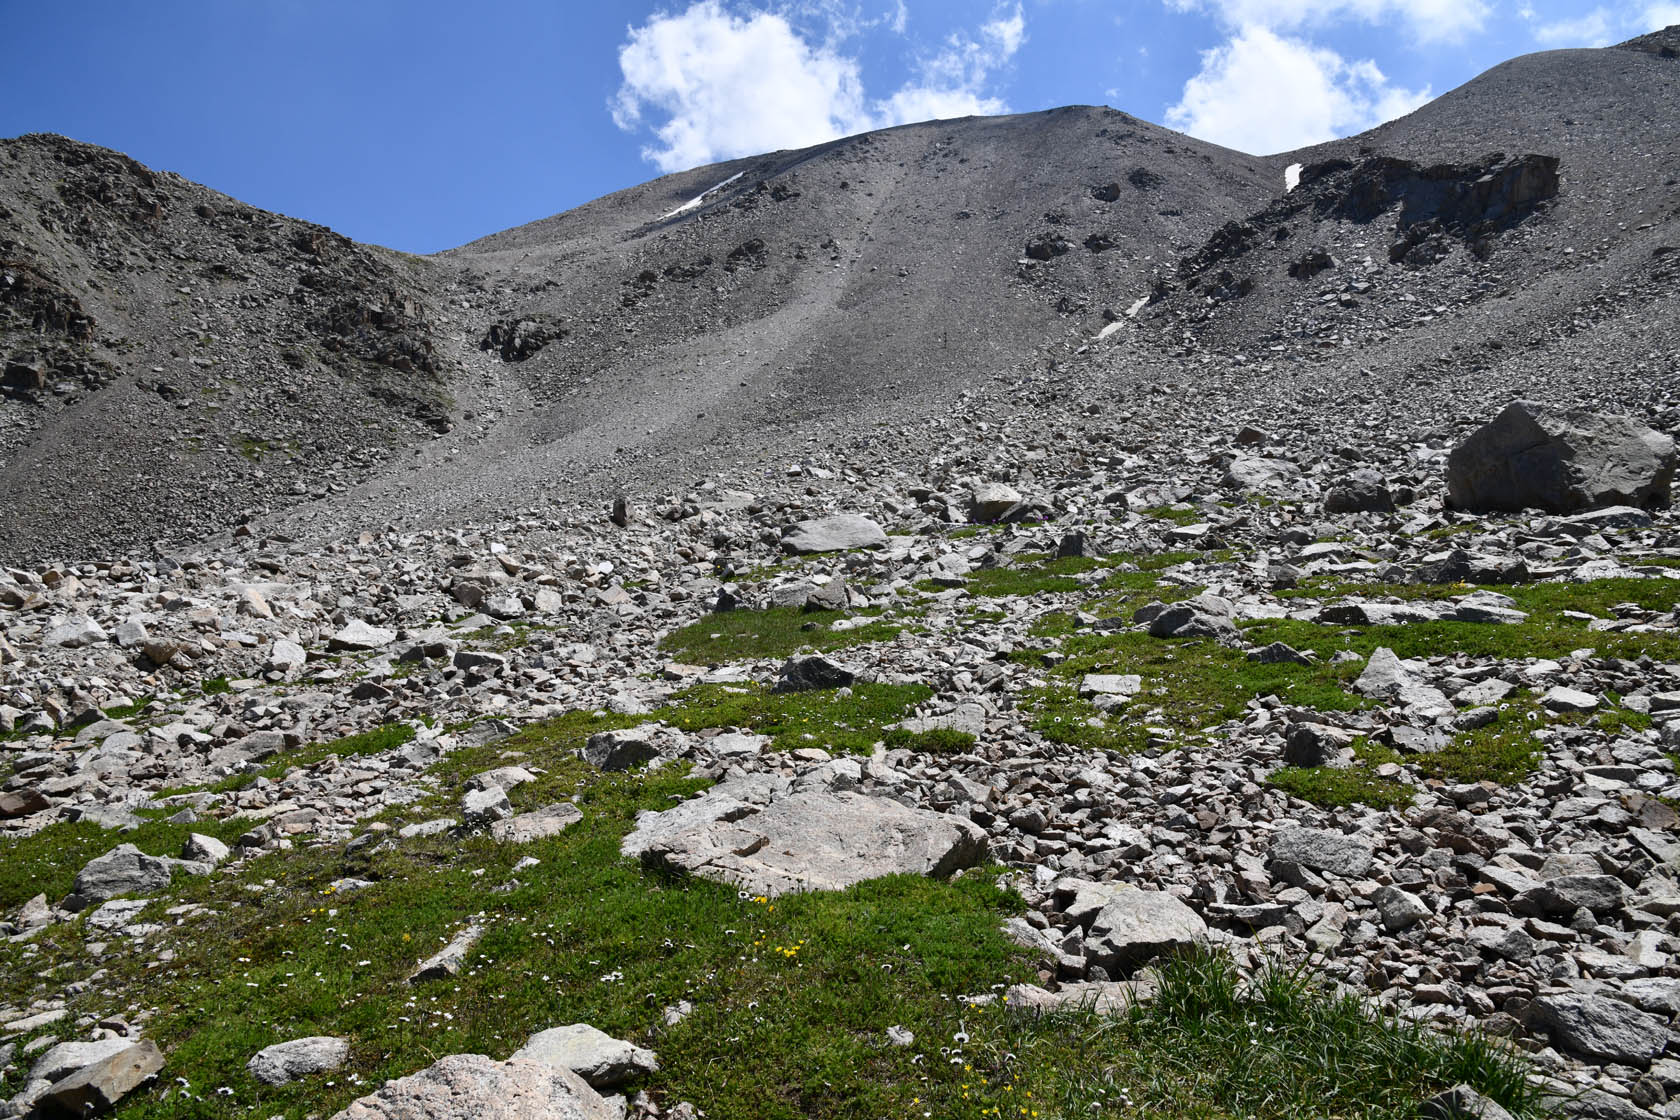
97, 1088
1597, 1027
833, 534
448, 961
812, 840
472, 1085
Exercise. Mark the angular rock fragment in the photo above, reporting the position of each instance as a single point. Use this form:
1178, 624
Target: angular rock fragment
1136, 926
813, 671
124, 869
357, 635
992, 501
620, 750
448, 960
1535, 456
1462, 1103
1598, 1027
539, 824
1330, 853
100, 1086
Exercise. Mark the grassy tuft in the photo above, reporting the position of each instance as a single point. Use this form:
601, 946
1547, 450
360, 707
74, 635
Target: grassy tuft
1359, 784
1504, 751
1278, 1045
824, 718
940, 740
380, 739
769, 634
1187, 686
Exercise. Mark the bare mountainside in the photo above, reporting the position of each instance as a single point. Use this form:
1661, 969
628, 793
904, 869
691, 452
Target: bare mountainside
177, 363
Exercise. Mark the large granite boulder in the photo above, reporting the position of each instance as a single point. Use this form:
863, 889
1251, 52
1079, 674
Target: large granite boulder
1598, 1027
124, 869
1328, 853
1126, 927
1534, 456
812, 840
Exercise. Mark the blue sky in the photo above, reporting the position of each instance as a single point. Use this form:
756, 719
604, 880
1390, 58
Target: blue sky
422, 124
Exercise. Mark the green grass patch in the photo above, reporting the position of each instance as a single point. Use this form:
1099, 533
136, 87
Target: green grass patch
1504, 751
1045, 576
47, 862
769, 634
939, 740
1359, 784
129, 711
518, 635
1177, 514
1056, 624
215, 686
1187, 686
791, 997
1539, 636
1546, 601
822, 718
1211, 1044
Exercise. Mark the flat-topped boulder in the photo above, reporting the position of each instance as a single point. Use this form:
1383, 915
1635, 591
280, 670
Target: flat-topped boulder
813, 840
833, 534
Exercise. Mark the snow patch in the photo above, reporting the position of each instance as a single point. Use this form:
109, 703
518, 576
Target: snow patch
1138, 305
701, 197
1291, 177
1108, 330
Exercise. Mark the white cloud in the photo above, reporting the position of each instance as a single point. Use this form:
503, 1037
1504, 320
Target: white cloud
949, 81
1260, 92
1428, 20
728, 85
732, 86
1595, 29
1660, 15
1607, 24
1005, 34
899, 19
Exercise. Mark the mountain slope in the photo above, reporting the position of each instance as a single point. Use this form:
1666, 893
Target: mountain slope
178, 363
172, 356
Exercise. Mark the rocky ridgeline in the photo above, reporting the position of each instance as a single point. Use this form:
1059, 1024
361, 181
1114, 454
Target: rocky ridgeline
1542, 907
